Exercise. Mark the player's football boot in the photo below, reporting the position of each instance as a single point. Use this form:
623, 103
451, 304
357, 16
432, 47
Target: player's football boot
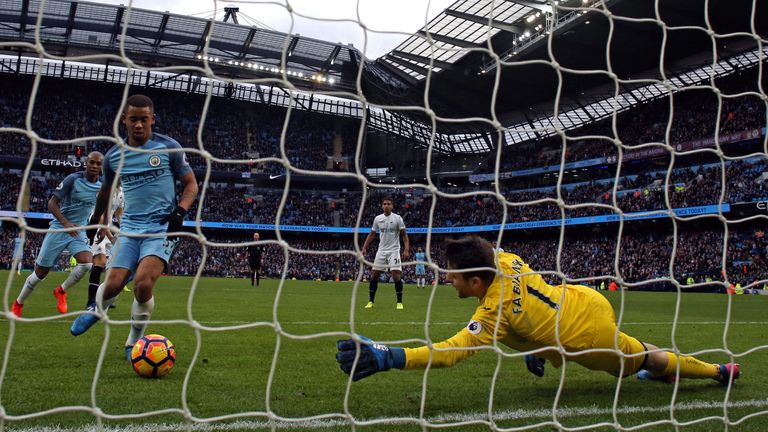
727, 370
128, 349
646, 375
84, 322
17, 308
126, 289
369, 305
399, 306
61, 299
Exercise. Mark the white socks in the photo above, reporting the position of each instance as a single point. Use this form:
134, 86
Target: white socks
29, 286
140, 314
76, 274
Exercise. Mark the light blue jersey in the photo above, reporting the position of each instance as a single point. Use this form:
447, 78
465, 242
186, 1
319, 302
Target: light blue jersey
149, 182
18, 248
77, 197
420, 256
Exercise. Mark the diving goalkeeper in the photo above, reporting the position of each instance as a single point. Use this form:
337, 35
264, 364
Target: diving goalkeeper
527, 322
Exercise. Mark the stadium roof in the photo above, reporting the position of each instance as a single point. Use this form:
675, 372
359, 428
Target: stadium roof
154, 38
464, 25
463, 83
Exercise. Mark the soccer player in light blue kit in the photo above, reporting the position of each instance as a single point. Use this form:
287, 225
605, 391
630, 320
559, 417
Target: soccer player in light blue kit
149, 187
421, 271
70, 204
18, 253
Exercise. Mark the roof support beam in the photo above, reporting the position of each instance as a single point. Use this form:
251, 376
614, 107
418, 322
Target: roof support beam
161, 32
24, 16
292, 45
247, 44
402, 75
416, 68
501, 25
331, 60
204, 37
544, 7
421, 59
116, 27
70, 20
449, 40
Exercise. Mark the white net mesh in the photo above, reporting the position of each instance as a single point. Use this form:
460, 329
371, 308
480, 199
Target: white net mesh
658, 186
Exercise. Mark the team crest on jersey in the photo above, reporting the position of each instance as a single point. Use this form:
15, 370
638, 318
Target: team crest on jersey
474, 327
154, 161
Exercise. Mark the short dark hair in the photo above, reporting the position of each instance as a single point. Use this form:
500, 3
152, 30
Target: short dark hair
471, 252
388, 198
139, 101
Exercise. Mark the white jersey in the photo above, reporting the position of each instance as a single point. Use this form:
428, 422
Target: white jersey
389, 228
118, 201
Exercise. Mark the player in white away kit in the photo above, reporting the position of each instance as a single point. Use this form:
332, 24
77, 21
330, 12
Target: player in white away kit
390, 227
102, 250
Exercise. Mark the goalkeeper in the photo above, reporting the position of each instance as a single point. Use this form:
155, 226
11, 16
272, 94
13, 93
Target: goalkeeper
529, 321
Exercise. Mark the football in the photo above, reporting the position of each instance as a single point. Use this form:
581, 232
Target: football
153, 356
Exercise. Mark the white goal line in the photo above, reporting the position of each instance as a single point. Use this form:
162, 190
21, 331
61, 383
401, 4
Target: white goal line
442, 419
421, 323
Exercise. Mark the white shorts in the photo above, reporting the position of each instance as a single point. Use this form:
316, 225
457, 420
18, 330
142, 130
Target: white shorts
104, 247
387, 261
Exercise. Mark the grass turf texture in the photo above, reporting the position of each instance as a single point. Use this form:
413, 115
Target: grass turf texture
241, 327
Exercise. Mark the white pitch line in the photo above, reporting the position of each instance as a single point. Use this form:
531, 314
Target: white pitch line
421, 323
442, 419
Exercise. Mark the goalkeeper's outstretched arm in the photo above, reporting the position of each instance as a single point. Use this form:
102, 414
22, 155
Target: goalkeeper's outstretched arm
375, 357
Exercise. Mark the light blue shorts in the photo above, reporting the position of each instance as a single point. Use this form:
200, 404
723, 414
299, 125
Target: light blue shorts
128, 251
420, 270
55, 242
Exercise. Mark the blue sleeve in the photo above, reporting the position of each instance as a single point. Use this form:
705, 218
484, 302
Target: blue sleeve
65, 187
179, 165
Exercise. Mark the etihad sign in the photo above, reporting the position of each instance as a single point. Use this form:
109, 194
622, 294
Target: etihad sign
61, 163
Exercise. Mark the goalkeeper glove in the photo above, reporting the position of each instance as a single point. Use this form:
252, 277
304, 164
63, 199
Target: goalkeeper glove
535, 365
374, 357
176, 219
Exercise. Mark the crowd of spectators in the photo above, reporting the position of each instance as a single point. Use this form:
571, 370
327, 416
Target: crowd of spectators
690, 115
223, 202
231, 130
235, 130
643, 257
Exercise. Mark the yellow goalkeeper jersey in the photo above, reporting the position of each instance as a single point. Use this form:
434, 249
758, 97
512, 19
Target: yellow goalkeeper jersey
520, 310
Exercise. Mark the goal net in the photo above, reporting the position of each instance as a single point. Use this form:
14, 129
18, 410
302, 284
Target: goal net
615, 144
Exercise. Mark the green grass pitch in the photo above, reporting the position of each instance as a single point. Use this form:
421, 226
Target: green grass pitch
266, 359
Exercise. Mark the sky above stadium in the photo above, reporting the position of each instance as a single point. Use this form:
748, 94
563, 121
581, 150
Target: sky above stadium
388, 22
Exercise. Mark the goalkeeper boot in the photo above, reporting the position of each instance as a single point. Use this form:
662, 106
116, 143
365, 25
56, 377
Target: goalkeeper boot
17, 308
369, 305
61, 299
85, 321
128, 349
646, 375
727, 371
399, 306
